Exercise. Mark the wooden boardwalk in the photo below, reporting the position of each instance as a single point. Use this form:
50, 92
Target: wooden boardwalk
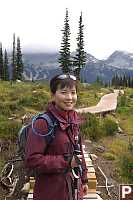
107, 103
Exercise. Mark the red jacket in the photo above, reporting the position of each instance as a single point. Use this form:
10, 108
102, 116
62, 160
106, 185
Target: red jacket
51, 182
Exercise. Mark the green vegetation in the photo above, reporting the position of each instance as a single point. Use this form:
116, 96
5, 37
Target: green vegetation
125, 111
80, 56
17, 99
126, 167
91, 127
65, 60
95, 128
110, 127
109, 156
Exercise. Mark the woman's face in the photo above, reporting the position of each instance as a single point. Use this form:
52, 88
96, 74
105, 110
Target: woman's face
65, 98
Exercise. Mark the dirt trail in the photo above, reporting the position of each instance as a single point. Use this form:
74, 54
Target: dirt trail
109, 170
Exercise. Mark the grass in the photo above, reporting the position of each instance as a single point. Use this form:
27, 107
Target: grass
125, 111
30, 98
18, 99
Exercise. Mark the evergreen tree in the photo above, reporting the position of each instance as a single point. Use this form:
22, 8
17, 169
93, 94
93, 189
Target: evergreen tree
19, 61
120, 81
115, 80
6, 71
14, 75
124, 80
80, 57
64, 59
132, 82
129, 81
1, 62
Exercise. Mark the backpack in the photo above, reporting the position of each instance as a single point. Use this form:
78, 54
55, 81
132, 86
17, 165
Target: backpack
23, 132
24, 174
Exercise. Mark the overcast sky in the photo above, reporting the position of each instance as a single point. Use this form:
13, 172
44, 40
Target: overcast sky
108, 24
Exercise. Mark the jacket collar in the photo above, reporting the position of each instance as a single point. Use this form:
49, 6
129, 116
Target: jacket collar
65, 118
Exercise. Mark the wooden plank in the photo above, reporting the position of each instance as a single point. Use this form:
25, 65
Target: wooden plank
90, 196
30, 197
91, 176
91, 190
91, 169
92, 184
88, 163
88, 159
86, 155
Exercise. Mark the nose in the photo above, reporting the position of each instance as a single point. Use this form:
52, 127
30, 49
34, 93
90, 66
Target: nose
68, 96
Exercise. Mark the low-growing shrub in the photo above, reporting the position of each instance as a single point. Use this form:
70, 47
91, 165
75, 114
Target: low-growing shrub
4, 109
118, 146
126, 167
110, 127
109, 156
26, 100
122, 101
91, 127
9, 129
123, 110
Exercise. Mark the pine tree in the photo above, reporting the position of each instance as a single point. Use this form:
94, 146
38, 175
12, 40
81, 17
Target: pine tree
14, 60
80, 57
6, 71
121, 81
64, 60
1, 62
19, 61
124, 80
129, 81
115, 80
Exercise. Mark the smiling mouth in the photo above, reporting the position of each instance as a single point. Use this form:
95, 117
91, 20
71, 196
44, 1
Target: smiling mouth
69, 103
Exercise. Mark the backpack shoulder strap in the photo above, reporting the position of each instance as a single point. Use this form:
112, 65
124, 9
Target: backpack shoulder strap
51, 121
52, 124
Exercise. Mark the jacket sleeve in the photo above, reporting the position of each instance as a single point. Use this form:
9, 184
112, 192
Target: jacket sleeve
84, 168
35, 148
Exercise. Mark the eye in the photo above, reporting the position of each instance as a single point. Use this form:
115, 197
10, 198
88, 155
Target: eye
73, 92
63, 92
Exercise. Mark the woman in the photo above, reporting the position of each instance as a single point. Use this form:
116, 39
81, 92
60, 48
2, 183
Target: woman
60, 173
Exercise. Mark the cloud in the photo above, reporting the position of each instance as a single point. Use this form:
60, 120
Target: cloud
107, 24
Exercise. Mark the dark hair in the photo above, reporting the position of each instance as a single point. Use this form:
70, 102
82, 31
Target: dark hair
56, 82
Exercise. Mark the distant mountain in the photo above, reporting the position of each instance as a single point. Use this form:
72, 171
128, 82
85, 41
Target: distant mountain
121, 59
40, 66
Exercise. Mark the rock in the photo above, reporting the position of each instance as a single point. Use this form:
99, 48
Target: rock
100, 149
120, 130
4, 145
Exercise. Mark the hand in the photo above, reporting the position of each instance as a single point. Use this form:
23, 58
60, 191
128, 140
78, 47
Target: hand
74, 162
85, 189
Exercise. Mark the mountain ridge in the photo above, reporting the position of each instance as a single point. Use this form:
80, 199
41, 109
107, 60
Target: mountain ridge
41, 66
